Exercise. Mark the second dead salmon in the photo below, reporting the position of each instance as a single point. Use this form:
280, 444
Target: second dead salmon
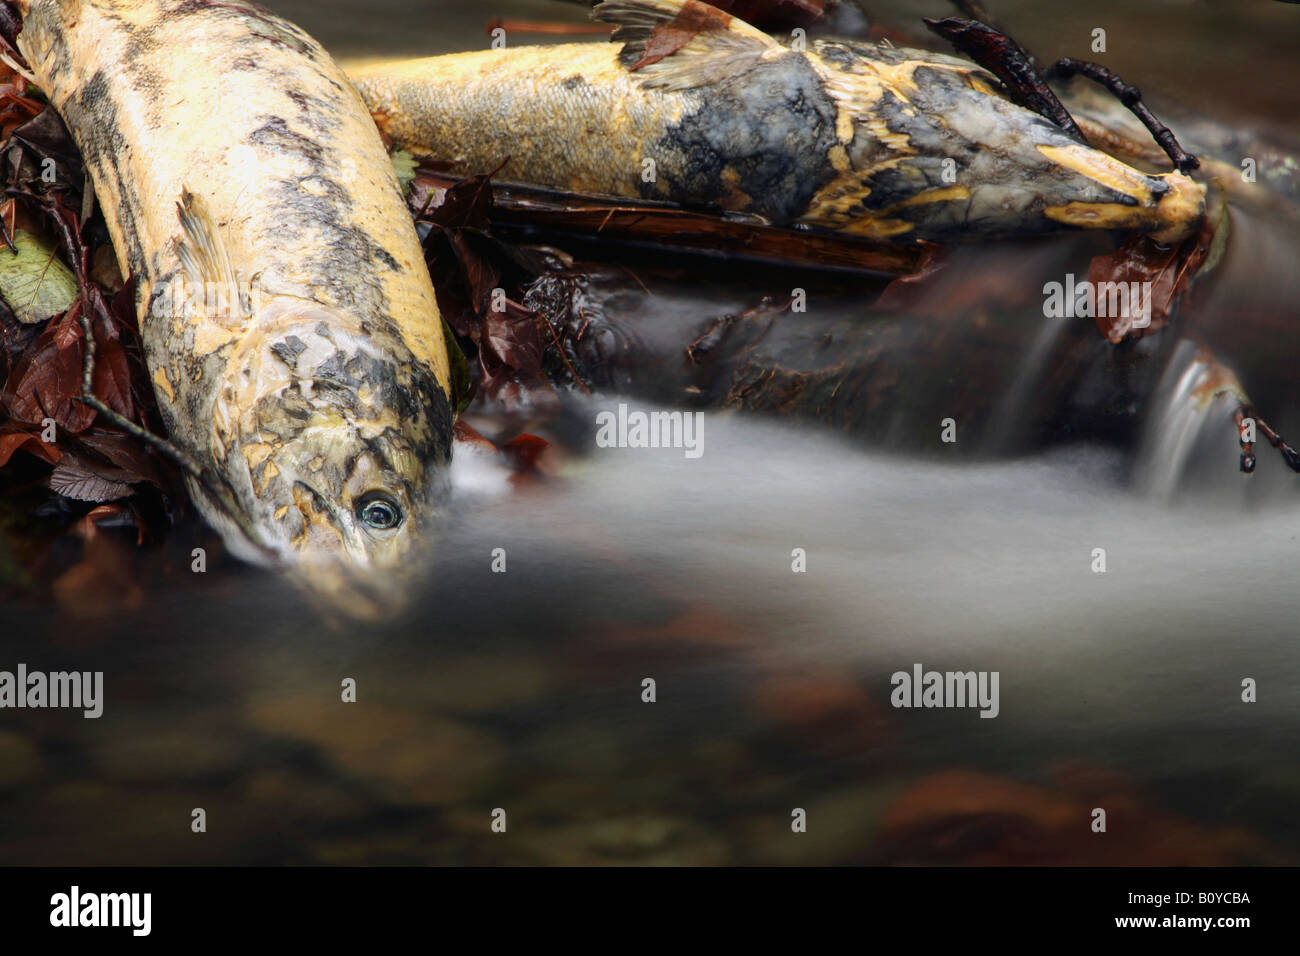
843, 135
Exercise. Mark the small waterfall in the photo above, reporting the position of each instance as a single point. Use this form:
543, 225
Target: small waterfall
1190, 425
1008, 419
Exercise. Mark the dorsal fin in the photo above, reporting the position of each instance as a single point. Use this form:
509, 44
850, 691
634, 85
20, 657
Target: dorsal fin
682, 44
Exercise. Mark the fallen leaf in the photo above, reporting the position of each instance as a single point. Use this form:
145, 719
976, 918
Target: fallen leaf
693, 19
46, 380
35, 282
12, 439
125, 452
465, 204
46, 383
527, 455
74, 477
404, 165
1141, 260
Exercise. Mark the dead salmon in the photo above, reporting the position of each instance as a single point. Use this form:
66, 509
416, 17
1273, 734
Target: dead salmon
696, 107
288, 318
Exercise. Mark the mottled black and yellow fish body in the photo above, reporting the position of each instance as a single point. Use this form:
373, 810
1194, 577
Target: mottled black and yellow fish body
847, 136
289, 321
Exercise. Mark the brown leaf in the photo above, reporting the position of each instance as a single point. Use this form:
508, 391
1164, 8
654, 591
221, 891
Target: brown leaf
524, 450
465, 434
667, 38
1169, 270
510, 356
482, 276
67, 330
124, 452
46, 383
466, 204
12, 439
46, 380
46, 136
112, 380
77, 478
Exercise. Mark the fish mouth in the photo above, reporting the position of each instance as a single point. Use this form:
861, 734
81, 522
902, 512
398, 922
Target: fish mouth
1169, 206
362, 594
1183, 205
337, 571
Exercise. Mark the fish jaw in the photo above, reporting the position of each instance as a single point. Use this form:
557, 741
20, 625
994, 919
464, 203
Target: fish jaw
1169, 206
322, 435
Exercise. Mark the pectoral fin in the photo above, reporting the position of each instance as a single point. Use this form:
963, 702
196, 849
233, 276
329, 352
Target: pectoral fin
203, 253
684, 44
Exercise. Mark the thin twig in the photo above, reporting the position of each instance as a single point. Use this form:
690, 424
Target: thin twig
1130, 97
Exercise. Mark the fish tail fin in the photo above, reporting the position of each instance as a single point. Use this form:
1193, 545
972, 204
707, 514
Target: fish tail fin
683, 44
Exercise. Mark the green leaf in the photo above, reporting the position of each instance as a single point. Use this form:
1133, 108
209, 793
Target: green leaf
462, 383
35, 282
404, 163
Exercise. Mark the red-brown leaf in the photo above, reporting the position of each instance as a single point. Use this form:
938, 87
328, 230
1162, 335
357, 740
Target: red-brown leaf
667, 38
465, 205
132, 460
46, 382
1169, 269
12, 439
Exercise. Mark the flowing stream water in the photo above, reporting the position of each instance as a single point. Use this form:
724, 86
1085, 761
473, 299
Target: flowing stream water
523, 691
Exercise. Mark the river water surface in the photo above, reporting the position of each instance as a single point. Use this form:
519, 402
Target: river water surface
524, 691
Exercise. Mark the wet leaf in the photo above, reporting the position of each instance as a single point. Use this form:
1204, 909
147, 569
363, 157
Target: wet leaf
13, 438
112, 381
481, 274
466, 203
76, 477
524, 450
47, 137
46, 381
667, 38
1169, 270
404, 165
133, 462
511, 357
473, 275
35, 282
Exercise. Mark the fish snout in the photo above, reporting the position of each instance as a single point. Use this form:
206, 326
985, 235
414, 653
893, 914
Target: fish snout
1182, 207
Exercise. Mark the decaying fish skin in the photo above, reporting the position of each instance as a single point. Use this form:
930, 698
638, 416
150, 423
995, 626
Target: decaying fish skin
230, 154
875, 141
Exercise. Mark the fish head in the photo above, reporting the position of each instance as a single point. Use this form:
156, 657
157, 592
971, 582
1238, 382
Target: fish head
334, 442
939, 150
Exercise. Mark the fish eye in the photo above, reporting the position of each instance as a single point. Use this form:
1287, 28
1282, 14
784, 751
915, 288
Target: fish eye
379, 511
